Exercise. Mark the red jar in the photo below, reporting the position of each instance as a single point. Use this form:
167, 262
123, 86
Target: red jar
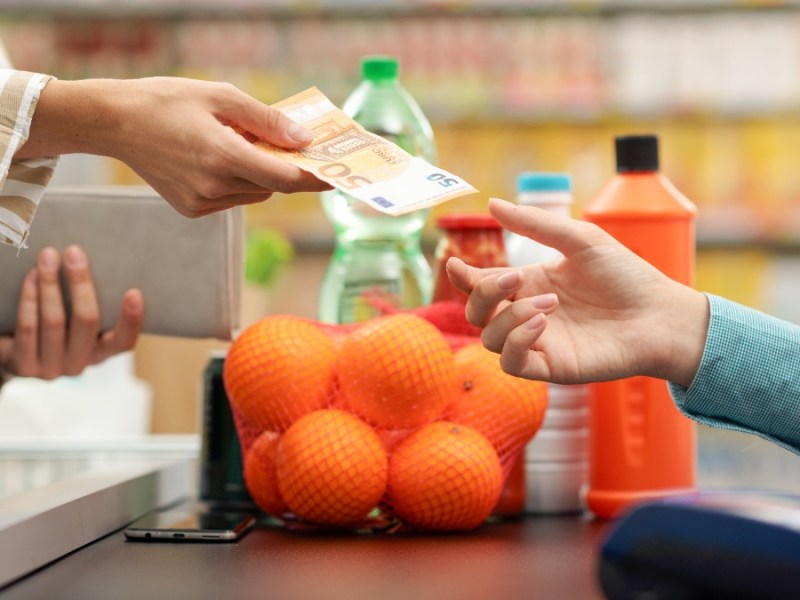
475, 238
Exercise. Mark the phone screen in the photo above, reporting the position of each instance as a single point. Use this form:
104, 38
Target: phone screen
192, 525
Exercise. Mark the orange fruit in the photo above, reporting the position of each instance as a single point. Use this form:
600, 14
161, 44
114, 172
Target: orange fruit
444, 477
278, 369
508, 410
260, 474
332, 468
337, 333
391, 438
396, 372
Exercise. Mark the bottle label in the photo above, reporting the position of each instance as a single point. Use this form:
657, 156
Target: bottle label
363, 300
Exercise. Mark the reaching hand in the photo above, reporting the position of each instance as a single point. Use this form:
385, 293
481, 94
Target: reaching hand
599, 313
177, 134
46, 344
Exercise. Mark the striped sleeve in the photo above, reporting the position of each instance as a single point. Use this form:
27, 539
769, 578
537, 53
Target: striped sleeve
749, 375
22, 183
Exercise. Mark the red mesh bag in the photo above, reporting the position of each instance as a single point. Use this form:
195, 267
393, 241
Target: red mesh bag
404, 421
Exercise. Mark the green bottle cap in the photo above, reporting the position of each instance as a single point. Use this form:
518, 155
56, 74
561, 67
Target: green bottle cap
377, 68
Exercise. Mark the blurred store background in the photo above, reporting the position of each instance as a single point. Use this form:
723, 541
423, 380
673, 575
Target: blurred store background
509, 87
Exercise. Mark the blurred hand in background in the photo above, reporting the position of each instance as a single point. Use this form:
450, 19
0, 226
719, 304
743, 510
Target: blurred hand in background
48, 342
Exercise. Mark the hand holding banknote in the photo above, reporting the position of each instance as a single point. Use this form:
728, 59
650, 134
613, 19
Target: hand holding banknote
172, 132
362, 164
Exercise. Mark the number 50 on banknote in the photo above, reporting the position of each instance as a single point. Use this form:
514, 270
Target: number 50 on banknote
362, 164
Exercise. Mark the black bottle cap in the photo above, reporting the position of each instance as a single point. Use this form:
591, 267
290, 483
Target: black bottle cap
636, 153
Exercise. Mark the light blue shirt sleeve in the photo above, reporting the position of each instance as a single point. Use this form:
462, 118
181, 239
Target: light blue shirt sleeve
749, 375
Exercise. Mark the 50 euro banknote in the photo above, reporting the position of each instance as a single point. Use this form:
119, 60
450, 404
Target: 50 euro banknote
363, 164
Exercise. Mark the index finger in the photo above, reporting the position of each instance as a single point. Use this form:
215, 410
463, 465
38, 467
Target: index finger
263, 121
270, 172
565, 234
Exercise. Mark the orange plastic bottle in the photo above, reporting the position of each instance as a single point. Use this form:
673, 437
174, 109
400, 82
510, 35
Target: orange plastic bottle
641, 447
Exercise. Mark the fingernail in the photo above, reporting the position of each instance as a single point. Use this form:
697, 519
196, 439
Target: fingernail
74, 258
508, 280
500, 201
133, 302
48, 259
536, 321
543, 301
451, 261
299, 133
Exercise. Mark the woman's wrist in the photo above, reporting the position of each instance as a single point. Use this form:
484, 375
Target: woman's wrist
74, 116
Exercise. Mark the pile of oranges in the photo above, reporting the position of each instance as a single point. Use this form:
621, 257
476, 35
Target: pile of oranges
383, 418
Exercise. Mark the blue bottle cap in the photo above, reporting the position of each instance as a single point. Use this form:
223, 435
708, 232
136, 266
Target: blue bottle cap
543, 182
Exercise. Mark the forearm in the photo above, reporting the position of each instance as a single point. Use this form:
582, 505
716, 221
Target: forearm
75, 116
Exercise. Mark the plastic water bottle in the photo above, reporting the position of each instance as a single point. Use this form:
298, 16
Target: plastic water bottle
376, 255
556, 460
641, 447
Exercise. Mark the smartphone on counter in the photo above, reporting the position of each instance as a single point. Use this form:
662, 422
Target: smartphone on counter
192, 523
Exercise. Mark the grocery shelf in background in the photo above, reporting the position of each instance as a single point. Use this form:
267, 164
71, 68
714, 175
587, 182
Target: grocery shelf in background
461, 65
383, 7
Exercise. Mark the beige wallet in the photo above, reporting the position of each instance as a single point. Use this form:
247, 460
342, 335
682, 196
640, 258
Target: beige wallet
190, 271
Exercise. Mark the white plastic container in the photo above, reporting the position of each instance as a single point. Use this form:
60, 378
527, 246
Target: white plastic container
556, 469
558, 445
555, 488
556, 459
568, 396
566, 418
548, 191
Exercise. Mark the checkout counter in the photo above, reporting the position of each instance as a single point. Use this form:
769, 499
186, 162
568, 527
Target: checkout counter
64, 540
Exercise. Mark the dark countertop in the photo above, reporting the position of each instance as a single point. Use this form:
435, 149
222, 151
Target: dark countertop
537, 557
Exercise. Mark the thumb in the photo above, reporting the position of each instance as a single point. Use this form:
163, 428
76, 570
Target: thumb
266, 123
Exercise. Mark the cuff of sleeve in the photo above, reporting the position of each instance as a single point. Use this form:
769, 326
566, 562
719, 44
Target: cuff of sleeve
19, 199
22, 183
742, 389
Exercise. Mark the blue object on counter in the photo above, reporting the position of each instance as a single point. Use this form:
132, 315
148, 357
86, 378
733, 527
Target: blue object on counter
739, 544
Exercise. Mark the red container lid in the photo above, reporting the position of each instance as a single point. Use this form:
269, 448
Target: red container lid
467, 221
